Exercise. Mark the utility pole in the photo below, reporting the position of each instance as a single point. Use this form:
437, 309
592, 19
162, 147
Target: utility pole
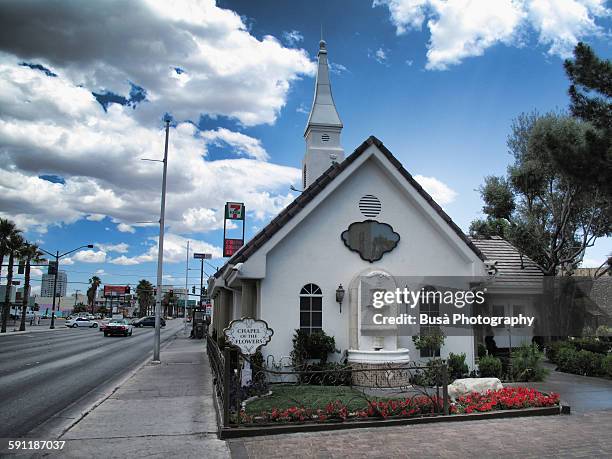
186, 288
160, 252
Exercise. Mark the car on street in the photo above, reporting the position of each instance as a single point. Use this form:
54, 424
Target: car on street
118, 327
148, 321
81, 322
104, 323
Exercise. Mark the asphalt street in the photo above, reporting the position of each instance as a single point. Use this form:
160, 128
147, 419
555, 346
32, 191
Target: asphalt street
44, 372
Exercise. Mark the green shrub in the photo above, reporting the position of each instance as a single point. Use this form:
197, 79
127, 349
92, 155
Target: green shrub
490, 367
582, 362
457, 368
591, 344
552, 350
316, 345
431, 375
482, 350
606, 365
527, 363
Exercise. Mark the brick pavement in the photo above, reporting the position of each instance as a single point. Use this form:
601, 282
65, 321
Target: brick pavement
585, 435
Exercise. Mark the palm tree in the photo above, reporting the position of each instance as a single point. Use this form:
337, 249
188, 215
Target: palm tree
12, 244
31, 253
94, 283
7, 228
144, 293
168, 301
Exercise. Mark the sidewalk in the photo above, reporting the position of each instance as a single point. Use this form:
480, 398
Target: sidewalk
161, 411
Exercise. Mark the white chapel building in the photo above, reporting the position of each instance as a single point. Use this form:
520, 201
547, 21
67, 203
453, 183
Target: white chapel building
362, 216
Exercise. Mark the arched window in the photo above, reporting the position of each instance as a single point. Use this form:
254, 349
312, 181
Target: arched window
311, 308
430, 305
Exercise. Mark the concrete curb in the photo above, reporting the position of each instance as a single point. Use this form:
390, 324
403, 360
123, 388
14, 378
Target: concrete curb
75, 414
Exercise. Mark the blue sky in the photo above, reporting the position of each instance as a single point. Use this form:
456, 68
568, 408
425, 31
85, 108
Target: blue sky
438, 83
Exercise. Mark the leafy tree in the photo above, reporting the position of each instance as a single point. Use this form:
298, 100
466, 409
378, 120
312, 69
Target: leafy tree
548, 214
94, 283
144, 294
79, 308
11, 244
168, 302
30, 253
7, 228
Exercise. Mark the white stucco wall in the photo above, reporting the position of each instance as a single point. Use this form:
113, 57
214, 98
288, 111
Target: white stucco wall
313, 252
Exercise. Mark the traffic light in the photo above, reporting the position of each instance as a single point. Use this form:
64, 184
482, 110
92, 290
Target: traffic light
193, 289
21, 268
52, 268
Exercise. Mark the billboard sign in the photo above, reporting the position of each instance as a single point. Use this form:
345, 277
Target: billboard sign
116, 290
202, 256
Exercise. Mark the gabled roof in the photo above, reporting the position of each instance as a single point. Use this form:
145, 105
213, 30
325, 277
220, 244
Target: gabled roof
319, 185
510, 266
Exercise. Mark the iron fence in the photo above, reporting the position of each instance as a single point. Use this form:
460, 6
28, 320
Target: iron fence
312, 393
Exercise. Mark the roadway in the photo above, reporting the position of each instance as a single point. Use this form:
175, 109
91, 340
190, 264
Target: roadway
45, 372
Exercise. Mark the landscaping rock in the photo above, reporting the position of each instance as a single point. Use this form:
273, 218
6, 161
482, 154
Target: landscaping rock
468, 385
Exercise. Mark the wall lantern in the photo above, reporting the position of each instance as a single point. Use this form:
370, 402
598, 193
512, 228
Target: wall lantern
340, 296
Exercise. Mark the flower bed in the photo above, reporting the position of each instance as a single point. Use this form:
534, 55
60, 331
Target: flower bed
504, 399
507, 398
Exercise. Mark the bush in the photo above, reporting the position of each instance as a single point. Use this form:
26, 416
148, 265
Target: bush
606, 365
457, 368
552, 350
490, 367
527, 363
430, 376
582, 362
316, 345
482, 350
591, 344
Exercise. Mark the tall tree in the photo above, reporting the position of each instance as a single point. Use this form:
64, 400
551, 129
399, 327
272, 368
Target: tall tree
590, 94
168, 302
94, 283
29, 253
7, 228
13, 244
144, 293
550, 215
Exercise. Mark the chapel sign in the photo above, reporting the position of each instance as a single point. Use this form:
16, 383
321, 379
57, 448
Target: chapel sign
248, 334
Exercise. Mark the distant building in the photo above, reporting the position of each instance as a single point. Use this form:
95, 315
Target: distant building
46, 288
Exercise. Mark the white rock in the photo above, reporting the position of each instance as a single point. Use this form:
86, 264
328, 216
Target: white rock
468, 385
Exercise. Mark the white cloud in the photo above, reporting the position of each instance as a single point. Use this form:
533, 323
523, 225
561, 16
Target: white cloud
53, 126
121, 247
380, 55
125, 228
293, 37
336, 68
175, 249
66, 261
90, 256
223, 69
439, 191
243, 144
466, 28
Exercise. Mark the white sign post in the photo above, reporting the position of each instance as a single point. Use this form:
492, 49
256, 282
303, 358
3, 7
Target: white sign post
248, 334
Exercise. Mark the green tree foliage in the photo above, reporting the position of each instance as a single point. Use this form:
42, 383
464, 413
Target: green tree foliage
548, 214
144, 294
94, 283
31, 254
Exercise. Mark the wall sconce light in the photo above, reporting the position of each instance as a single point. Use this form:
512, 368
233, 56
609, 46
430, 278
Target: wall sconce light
340, 296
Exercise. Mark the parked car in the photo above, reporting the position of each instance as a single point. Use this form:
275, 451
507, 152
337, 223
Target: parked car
148, 321
118, 327
81, 322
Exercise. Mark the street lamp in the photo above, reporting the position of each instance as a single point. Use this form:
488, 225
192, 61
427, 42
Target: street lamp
57, 257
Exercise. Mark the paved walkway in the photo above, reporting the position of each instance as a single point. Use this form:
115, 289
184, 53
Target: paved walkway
578, 435
162, 411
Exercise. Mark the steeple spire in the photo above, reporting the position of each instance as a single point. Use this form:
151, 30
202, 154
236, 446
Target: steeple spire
323, 111
323, 129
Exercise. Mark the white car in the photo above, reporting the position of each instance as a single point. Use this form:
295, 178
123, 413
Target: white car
118, 327
81, 322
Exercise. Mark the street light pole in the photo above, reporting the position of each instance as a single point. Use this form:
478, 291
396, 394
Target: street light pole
57, 257
160, 253
186, 288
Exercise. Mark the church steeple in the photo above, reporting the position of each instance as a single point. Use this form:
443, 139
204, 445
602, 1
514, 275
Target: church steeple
323, 130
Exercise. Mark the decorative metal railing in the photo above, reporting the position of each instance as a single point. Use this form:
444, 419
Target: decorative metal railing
314, 393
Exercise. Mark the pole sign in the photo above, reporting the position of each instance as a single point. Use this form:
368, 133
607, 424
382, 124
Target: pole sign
234, 210
202, 256
248, 334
